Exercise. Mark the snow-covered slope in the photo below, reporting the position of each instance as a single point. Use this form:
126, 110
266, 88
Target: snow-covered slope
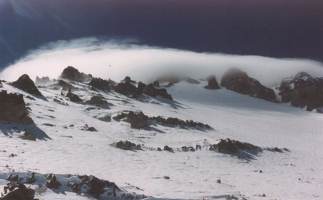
203, 174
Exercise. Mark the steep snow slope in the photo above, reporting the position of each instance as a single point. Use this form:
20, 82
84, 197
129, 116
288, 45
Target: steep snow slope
297, 174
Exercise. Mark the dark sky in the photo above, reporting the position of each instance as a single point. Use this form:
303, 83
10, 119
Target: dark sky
277, 28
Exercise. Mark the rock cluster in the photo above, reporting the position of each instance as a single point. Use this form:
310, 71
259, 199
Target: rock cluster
89, 186
139, 120
303, 91
236, 148
129, 146
128, 87
238, 81
13, 109
26, 84
101, 84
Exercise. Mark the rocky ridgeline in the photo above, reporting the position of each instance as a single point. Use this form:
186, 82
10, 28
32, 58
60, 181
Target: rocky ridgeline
241, 150
26, 84
89, 186
126, 87
302, 91
13, 109
138, 120
238, 81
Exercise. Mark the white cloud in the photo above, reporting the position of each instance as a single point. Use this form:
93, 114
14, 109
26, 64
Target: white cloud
117, 59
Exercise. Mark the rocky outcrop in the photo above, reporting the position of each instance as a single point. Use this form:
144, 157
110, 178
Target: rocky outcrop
72, 97
236, 148
101, 84
139, 120
72, 74
13, 109
212, 83
238, 81
88, 186
153, 90
128, 87
17, 191
129, 146
302, 91
26, 84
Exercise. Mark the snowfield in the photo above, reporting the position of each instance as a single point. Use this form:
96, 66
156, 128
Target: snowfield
294, 175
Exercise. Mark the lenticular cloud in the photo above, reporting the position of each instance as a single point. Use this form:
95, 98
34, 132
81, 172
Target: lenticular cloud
118, 59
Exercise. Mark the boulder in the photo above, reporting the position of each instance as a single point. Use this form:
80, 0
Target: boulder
72, 74
129, 146
302, 91
13, 109
73, 97
26, 84
212, 83
238, 81
169, 149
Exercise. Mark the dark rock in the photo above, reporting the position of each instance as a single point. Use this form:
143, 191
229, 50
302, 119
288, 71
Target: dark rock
26, 84
89, 128
105, 118
13, 109
98, 101
15, 191
278, 150
52, 182
72, 97
72, 74
236, 148
153, 91
238, 81
140, 88
139, 120
187, 149
127, 88
100, 84
212, 83
169, 149
64, 85
302, 91
129, 146
175, 122
198, 147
